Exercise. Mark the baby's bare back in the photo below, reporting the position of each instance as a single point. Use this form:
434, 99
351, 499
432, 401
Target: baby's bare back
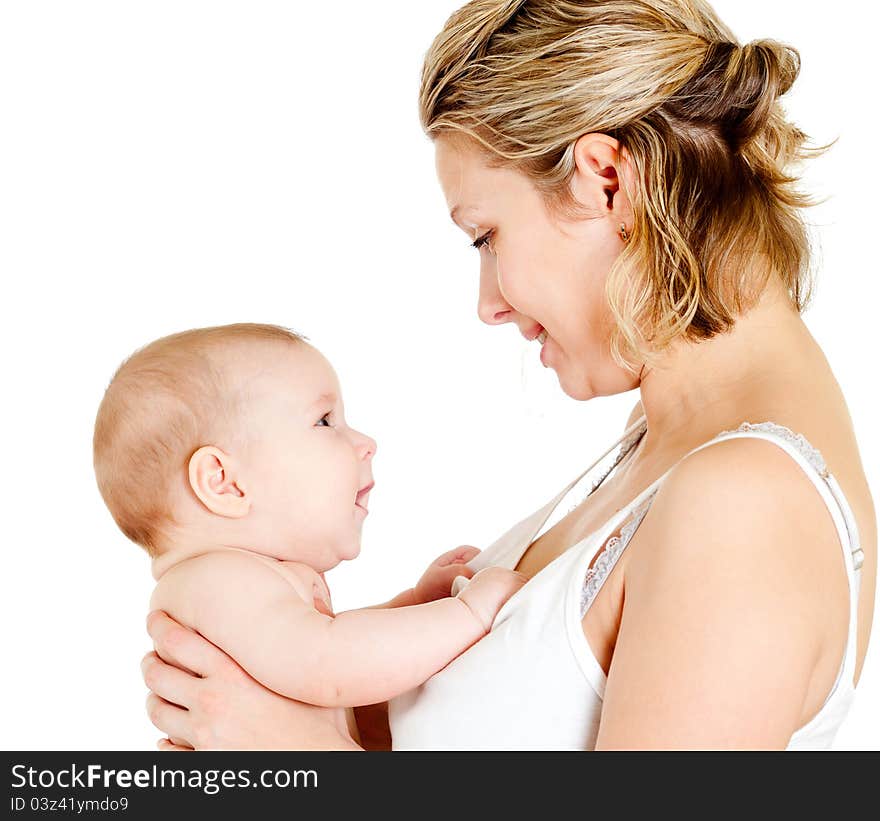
182, 591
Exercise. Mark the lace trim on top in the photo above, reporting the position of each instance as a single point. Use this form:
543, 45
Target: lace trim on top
810, 453
606, 560
610, 554
814, 457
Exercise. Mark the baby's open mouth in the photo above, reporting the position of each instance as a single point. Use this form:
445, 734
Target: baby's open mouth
363, 495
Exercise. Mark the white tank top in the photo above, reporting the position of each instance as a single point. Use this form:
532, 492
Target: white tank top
533, 683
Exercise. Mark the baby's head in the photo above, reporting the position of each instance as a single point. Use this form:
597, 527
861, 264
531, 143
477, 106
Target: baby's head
234, 436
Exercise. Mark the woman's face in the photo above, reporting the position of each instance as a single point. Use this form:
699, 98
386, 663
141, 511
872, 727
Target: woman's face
541, 271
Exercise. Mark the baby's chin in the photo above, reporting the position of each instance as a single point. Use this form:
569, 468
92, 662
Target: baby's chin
342, 553
351, 552
321, 557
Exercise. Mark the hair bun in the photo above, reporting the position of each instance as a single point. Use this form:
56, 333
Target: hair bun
737, 86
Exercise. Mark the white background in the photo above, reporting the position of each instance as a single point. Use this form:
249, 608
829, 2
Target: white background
168, 165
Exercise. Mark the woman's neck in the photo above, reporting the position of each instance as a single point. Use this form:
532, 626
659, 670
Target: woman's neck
702, 387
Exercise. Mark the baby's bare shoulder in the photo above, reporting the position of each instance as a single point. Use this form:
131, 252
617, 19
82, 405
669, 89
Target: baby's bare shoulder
228, 575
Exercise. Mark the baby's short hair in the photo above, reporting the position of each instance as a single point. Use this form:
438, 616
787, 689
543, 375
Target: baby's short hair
161, 404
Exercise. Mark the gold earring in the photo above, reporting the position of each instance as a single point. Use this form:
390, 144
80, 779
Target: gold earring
623, 234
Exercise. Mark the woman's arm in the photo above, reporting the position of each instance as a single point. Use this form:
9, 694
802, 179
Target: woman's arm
726, 598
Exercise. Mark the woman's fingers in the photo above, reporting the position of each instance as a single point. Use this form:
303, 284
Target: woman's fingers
182, 647
168, 682
169, 718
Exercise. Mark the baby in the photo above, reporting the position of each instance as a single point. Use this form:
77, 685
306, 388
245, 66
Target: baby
224, 452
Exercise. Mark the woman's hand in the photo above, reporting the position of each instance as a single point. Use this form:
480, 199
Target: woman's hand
201, 699
436, 581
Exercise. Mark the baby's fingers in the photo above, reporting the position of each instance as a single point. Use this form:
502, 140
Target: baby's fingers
446, 575
459, 555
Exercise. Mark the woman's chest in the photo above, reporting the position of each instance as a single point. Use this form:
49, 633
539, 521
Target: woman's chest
588, 517
530, 683
595, 520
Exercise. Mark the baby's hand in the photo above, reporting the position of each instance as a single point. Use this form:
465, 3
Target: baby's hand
436, 581
487, 591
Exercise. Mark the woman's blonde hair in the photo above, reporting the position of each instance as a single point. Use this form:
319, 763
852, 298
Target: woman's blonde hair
696, 116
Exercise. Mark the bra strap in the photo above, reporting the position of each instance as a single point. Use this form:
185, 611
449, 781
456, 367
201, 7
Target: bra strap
810, 460
627, 434
544, 513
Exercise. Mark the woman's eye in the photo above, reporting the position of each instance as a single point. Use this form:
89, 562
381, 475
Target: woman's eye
324, 419
479, 242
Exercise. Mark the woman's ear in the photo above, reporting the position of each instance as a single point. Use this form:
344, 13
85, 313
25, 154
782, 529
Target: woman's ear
596, 182
213, 478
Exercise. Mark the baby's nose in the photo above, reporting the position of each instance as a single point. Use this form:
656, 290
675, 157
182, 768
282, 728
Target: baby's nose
368, 445
372, 446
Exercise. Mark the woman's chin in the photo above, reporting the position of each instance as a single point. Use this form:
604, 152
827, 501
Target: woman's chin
575, 388
579, 393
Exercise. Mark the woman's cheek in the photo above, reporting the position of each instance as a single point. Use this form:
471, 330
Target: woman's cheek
504, 287
515, 287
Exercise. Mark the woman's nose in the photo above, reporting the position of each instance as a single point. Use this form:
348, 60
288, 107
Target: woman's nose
492, 308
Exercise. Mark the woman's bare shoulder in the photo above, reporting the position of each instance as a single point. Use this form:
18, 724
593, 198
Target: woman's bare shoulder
726, 590
714, 487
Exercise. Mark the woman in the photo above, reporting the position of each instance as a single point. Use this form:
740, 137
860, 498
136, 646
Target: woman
623, 168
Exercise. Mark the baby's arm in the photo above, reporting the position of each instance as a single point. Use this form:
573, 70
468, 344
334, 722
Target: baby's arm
436, 581
405, 599
358, 657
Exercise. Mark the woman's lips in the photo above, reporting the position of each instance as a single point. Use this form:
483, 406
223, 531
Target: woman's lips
534, 333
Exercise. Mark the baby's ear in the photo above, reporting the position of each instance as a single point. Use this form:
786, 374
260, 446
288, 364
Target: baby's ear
212, 476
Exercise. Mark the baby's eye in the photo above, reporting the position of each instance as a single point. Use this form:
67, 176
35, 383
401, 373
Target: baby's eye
324, 419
